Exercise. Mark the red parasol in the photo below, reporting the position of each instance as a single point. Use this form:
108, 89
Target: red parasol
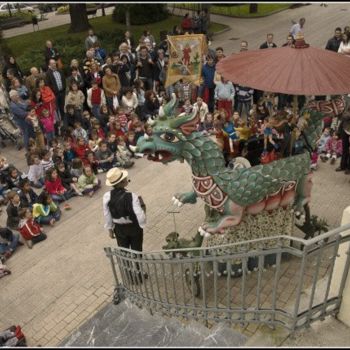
302, 70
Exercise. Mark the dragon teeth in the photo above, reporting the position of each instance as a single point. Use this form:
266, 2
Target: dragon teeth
160, 157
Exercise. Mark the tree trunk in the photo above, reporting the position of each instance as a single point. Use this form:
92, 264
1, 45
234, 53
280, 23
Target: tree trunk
253, 8
127, 18
103, 9
9, 8
78, 17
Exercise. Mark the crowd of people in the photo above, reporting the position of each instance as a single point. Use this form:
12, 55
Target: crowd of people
77, 126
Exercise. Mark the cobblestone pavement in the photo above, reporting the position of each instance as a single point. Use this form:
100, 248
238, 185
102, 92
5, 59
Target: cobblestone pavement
63, 281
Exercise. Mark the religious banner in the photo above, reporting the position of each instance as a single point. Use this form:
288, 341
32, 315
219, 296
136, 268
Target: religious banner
185, 58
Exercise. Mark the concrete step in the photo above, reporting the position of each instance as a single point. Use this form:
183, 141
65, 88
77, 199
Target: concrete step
125, 325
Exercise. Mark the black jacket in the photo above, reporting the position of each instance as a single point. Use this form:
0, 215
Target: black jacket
12, 216
51, 54
66, 178
333, 44
24, 200
51, 81
265, 46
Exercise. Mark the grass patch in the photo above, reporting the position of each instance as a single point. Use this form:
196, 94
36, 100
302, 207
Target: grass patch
239, 10
22, 43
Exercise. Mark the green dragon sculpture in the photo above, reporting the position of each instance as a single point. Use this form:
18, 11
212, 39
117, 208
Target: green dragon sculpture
229, 193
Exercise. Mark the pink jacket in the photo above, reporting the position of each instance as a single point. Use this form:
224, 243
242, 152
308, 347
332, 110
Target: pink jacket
334, 146
48, 123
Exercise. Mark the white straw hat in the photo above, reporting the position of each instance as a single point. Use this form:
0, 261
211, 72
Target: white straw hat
115, 175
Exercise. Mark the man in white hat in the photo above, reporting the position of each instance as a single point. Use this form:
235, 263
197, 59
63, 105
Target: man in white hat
124, 211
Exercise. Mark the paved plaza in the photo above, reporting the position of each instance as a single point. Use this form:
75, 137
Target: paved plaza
64, 281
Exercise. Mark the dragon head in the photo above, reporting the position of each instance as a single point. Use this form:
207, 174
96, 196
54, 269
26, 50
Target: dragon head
170, 135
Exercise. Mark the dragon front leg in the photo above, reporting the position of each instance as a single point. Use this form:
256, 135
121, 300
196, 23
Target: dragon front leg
232, 216
180, 199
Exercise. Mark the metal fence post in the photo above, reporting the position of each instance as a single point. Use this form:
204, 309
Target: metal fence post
340, 283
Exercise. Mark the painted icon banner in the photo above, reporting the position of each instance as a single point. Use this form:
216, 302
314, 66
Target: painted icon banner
185, 58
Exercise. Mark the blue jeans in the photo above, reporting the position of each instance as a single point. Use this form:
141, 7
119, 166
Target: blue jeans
45, 220
12, 245
49, 137
62, 197
95, 110
39, 184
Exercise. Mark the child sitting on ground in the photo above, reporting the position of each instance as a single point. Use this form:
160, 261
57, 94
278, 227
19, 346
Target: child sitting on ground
46, 211
46, 160
80, 148
94, 141
13, 178
104, 156
322, 142
91, 160
79, 132
77, 167
27, 196
123, 154
112, 142
12, 210
333, 149
31, 231
68, 153
36, 172
88, 182
54, 187
68, 181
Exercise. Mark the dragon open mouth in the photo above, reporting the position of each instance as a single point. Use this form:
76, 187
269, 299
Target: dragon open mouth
158, 156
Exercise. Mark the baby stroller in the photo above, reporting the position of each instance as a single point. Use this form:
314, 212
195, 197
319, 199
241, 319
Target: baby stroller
9, 130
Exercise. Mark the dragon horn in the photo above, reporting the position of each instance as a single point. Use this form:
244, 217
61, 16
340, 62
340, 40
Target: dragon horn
161, 112
150, 121
175, 123
170, 106
133, 148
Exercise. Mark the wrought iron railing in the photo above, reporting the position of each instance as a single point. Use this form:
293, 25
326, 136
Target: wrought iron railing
282, 280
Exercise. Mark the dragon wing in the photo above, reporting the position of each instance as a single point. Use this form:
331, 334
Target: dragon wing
249, 186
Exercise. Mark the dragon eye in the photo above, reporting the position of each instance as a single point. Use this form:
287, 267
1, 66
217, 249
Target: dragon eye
168, 137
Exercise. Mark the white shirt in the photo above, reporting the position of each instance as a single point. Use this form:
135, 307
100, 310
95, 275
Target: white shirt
140, 214
344, 46
203, 110
296, 29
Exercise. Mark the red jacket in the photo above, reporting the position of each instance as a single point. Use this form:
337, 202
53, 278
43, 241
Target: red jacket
29, 229
80, 151
186, 23
53, 187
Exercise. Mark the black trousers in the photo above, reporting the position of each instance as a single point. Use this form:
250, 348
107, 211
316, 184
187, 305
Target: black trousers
129, 236
345, 158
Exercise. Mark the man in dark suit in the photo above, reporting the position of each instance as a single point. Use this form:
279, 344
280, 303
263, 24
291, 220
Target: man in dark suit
56, 80
268, 44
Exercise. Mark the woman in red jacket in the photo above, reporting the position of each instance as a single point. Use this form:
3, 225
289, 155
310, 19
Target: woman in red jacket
29, 229
54, 187
186, 23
